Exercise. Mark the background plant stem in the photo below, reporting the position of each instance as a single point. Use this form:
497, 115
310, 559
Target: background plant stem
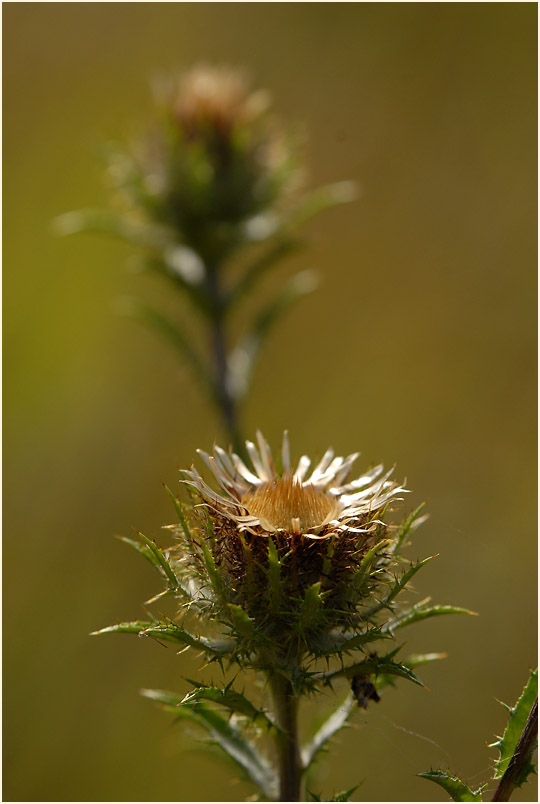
224, 398
520, 759
285, 710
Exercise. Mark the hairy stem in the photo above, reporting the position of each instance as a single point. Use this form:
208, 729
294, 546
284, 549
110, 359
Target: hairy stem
285, 710
520, 759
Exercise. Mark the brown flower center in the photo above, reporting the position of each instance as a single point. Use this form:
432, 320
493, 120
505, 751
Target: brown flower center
285, 504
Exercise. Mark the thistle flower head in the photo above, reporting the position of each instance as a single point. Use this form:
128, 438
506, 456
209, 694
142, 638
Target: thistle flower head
281, 534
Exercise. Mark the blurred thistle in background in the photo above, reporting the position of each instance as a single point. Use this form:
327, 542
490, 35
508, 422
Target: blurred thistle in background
215, 177
421, 350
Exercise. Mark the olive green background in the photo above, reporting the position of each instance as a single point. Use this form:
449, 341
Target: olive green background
419, 349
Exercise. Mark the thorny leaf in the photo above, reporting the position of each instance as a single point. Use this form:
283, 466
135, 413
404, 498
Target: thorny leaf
335, 721
455, 788
517, 719
229, 737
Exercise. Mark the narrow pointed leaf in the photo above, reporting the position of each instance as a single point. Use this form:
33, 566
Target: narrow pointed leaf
321, 199
213, 575
400, 584
244, 356
135, 627
456, 789
255, 272
517, 719
416, 659
274, 573
345, 795
169, 632
376, 666
367, 561
107, 222
142, 549
422, 611
181, 341
179, 512
408, 526
310, 606
231, 740
241, 621
329, 728
359, 640
230, 699
224, 733
160, 559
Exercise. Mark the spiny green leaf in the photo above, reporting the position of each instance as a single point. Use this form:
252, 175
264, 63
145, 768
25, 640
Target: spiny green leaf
326, 731
231, 740
517, 719
374, 666
358, 640
416, 659
327, 562
311, 605
230, 699
213, 575
337, 641
241, 621
161, 560
345, 794
174, 633
135, 627
411, 661
179, 512
367, 561
409, 525
224, 733
274, 576
142, 549
169, 632
456, 789
167, 699
400, 584
421, 611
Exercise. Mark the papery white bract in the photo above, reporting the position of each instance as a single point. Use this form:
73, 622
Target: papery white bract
268, 499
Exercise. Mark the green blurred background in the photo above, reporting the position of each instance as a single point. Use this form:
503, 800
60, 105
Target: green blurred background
419, 350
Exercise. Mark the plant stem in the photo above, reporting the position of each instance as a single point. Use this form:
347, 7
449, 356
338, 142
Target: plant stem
224, 398
285, 709
520, 759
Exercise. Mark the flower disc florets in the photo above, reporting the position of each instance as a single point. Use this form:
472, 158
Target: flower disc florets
277, 531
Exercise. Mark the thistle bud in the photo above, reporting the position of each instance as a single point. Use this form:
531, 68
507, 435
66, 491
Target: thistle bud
217, 160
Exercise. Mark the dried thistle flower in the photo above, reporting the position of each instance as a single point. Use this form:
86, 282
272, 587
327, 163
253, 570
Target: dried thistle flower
317, 527
304, 558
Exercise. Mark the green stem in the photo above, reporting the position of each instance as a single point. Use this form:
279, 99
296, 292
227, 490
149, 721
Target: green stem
225, 400
285, 710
